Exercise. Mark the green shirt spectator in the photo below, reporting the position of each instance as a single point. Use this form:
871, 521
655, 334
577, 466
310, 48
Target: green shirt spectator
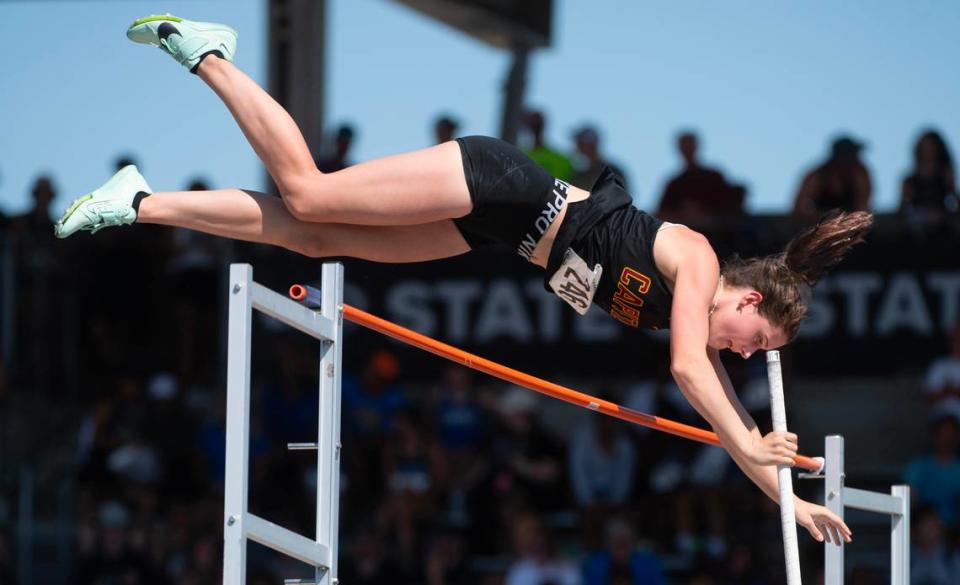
553, 161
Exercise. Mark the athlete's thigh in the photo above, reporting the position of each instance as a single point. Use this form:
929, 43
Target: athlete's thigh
407, 243
406, 189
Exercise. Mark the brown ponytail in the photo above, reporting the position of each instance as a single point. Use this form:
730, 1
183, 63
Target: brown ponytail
818, 248
783, 278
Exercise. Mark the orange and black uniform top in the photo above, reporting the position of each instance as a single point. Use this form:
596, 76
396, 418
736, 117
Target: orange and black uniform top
607, 229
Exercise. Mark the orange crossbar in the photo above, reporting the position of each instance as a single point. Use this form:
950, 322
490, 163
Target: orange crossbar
540, 385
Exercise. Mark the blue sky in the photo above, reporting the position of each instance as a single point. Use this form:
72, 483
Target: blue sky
766, 84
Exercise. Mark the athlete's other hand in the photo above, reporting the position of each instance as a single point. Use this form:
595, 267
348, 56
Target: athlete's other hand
821, 523
776, 448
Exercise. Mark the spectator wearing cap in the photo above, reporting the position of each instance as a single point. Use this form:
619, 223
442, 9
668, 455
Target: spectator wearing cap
445, 129
338, 159
588, 162
698, 193
840, 182
551, 159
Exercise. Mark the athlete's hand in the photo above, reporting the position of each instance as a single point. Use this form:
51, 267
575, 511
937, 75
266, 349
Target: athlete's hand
821, 522
777, 448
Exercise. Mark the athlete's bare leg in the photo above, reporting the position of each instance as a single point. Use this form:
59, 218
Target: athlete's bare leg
256, 217
414, 188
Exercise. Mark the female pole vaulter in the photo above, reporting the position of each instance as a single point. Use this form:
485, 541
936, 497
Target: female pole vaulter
595, 247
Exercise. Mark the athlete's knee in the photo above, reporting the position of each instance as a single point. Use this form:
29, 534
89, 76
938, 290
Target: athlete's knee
303, 196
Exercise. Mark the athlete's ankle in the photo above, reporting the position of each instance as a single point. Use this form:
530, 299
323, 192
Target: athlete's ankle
209, 63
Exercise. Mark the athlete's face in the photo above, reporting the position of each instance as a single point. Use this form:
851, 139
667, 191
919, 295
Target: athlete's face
736, 325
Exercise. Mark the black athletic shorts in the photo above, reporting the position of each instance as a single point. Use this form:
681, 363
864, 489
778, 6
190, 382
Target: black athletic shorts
514, 199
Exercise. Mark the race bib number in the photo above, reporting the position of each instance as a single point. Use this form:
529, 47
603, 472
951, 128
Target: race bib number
575, 282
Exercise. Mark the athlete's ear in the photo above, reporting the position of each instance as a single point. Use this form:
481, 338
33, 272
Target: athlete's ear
750, 297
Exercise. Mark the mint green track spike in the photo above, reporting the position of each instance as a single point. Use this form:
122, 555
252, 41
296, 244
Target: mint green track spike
110, 205
73, 206
187, 41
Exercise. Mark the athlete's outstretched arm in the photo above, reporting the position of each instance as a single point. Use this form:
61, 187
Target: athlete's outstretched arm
704, 382
820, 522
695, 284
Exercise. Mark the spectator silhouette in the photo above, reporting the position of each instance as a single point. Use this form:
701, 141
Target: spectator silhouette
371, 400
462, 429
840, 182
589, 162
41, 276
445, 129
602, 460
942, 384
527, 460
36, 224
698, 193
622, 556
535, 564
115, 559
930, 189
697, 480
446, 562
935, 477
412, 466
551, 159
370, 563
933, 562
338, 159
193, 271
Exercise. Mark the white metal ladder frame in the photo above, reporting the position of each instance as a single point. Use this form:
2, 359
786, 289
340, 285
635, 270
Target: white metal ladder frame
837, 496
325, 325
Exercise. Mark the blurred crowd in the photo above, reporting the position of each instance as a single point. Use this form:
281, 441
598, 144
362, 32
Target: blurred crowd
447, 479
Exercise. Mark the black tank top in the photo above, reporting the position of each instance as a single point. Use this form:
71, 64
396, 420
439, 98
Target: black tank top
606, 229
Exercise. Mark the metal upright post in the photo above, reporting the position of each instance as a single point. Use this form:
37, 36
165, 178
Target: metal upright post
328, 438
240, 525
900, 537
833, 496
238, 425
